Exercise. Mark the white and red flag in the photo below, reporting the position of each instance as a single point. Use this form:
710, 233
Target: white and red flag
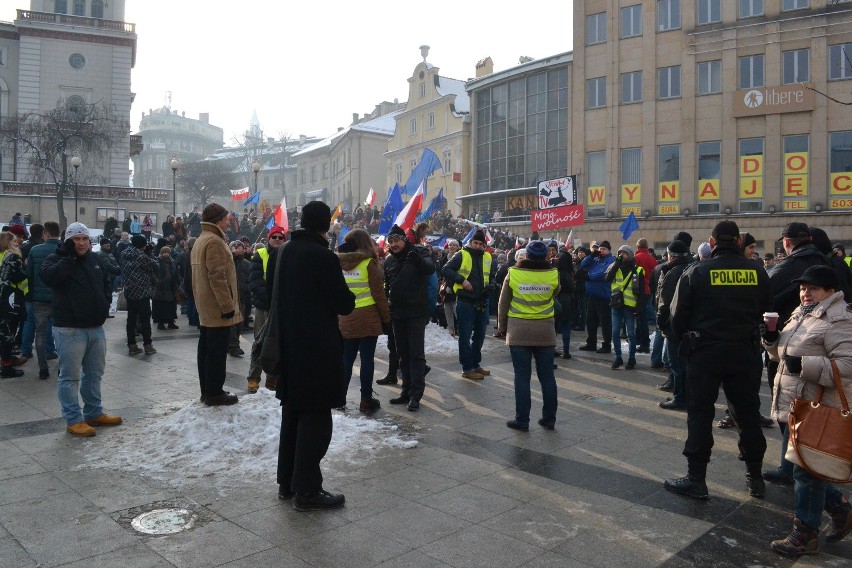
280, 215
371, 198
239, 194
408, 215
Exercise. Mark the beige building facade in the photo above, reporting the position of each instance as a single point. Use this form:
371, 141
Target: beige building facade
685, 112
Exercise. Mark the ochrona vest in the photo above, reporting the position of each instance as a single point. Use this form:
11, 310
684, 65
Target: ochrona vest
358, 280
532, 293
467, 266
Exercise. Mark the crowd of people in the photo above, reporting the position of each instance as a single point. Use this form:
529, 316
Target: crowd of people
719, 317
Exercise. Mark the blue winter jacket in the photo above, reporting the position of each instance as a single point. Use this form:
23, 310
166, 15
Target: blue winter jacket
596, 286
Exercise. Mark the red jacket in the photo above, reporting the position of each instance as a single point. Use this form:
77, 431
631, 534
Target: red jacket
644, 259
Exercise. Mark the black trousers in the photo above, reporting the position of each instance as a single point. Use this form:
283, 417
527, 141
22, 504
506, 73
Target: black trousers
139, 310
393, 356
738, 370
212, 357
598, 314
410, 336
305, 436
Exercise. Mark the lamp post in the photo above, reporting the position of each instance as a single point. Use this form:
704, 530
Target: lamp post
255, 167
76, 161
174, 164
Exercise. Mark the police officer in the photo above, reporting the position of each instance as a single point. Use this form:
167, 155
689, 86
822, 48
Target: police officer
718, 309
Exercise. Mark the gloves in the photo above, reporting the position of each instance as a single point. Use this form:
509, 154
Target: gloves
229, 315
793, 364
768, 336
66, 248
414, 257
387, 328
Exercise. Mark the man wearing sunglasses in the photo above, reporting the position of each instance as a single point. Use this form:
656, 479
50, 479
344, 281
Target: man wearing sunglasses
257, 285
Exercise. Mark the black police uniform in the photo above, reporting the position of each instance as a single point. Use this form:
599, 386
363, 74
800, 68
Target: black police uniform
719, 306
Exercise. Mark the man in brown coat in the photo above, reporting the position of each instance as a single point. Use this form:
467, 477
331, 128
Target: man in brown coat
214, 286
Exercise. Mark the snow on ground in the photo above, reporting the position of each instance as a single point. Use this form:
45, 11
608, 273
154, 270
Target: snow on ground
440, 342
241, 440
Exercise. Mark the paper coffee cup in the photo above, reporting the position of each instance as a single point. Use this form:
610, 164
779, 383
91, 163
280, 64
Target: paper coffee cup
771, 320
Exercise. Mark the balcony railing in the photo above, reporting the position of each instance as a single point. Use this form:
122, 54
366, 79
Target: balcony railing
88, 191
79, 21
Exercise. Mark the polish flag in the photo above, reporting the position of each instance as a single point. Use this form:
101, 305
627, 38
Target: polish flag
280, 215
239, 194
408, 215
371, 198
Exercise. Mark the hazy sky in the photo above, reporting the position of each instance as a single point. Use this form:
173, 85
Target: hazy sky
305, 67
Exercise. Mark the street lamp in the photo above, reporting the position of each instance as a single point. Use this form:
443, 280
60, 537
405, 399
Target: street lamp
175, 166
76, 161
255, 167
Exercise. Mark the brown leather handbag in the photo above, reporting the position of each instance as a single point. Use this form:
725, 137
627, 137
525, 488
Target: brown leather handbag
821, 435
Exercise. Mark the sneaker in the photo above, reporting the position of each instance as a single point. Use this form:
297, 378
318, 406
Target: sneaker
18, 361
149, 349
841, 521
104, 420
672, 405
253, 385
685, 486
587, 348
802, 540
390, 379
81, 429
726, 423
544, 424
514, 425
318, 501
482, 371
474, 375
778, 476
369, 405
604, 350
400, 400
224, 399
617, 363
631, 364
133, 349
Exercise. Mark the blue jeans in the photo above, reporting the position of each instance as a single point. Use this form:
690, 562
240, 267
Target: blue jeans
677, 374
657, 351
813, 496
565, 330
624, 317
471, 324
522, 362
192, 311
785, 466
29, 331
366, 346
80, 349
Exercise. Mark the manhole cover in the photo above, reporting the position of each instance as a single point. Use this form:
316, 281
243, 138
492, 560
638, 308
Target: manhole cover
600, 398
164, 521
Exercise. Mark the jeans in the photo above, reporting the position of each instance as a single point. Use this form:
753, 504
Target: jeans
645, 311
192, 311
43, 314
657, 350
564, 328
785, 466
450, 314
139, 310
366, 347
470, 322
813, 496
82, 358
522, 363
677, 374
624, 316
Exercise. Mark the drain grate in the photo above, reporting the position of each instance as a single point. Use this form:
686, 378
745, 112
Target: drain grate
165, 517
600, 398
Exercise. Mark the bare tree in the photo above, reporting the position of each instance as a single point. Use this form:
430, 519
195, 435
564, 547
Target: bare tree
205, 180
46, 141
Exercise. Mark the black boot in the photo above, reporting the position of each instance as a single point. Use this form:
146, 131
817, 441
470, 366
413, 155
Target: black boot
754, 480
687, 486
778, 476
390, 379
10, 372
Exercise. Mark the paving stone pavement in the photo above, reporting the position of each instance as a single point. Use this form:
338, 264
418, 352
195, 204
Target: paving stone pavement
472, 493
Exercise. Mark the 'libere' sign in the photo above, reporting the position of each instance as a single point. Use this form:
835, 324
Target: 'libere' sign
773, 100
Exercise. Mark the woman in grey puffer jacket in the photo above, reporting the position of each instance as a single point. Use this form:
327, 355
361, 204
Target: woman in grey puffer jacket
819, 330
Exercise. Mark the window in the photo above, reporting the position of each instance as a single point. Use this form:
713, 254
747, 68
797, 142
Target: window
795, 66
79, 7
631, 87
751, 71
77, 60
840, 164
399, 173
668, 163
596, 92
751, 174
412, 126
840, 61
631, 166
60, 6
447, 161
302, 176
668, 15
3, 56
98, 9
795, 167
422, 90
313, 173
430, 120
596, 190
709, 12
596, 28
325, 171
710, 77
668, 82
794, 4
709, 174
631, 21
76, 107
411, 165
750, 8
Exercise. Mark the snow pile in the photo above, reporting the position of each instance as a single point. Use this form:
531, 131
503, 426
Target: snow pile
237, 442
439, 341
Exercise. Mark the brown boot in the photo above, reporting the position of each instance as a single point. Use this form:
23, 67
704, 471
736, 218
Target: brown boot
841, 521
803, 540
271, 383
253, 385
81, 429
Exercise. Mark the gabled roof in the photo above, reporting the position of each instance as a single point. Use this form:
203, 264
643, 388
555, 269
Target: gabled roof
447, 86
384, 124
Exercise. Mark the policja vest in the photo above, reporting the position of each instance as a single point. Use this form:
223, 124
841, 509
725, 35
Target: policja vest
467, 266
532, 293
619, 283
358, 280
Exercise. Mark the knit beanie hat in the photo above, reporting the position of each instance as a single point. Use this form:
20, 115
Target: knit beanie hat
536, 250
75, 229
276, 230
396, 232
677, 248
19, 230
684, 237
605, 244
478, 235
213, 213
316, 216
138, 241
104, 241
627, 249
704, 251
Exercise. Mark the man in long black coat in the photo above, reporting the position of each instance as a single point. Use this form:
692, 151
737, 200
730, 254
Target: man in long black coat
311, 295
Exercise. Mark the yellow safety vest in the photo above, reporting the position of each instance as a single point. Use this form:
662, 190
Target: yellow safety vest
532, 293
358, 280
467, 266
23, 285
263, 253
620, 284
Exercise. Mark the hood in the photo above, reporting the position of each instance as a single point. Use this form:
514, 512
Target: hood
349, 260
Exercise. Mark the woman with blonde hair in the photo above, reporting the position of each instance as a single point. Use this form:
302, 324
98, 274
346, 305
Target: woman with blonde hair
371, 317
13, 286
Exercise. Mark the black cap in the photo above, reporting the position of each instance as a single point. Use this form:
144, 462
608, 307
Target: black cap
478, 235
748, 239
396, 231
605, 244
316, 217
726, 231
796, 231
678, 248
684, 237
819, 275
138, 241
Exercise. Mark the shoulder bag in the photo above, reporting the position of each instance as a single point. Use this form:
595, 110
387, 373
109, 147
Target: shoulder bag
821, 436
266, 348
616, 300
